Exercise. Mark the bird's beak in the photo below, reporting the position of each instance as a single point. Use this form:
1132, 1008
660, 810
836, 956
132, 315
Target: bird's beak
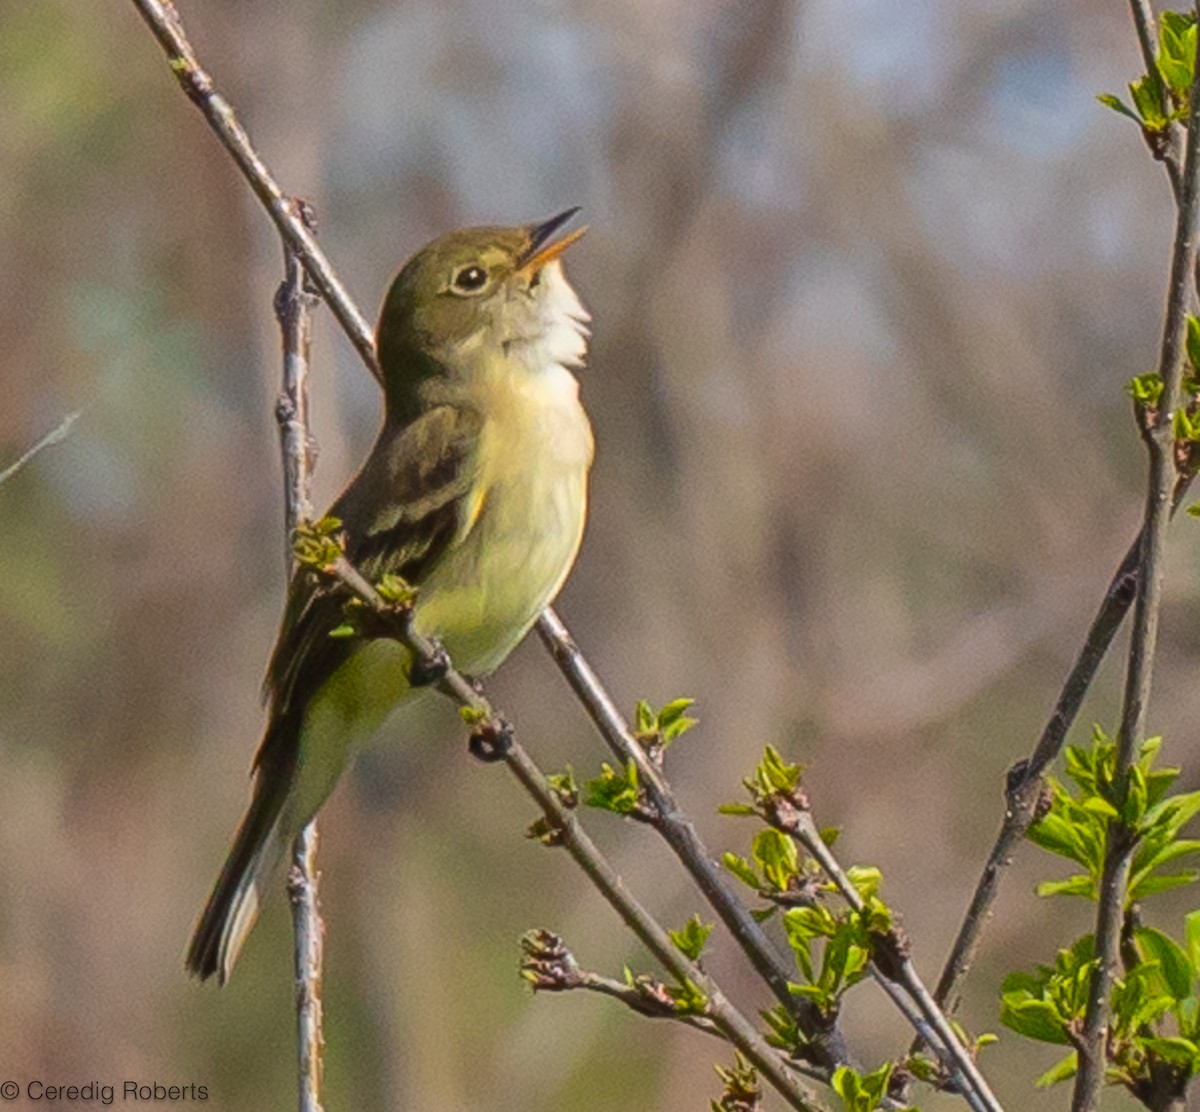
542, 247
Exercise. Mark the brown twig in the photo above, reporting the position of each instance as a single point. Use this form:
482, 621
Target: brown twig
1161, 482
294, 304
669, 819
54, 436
198, 85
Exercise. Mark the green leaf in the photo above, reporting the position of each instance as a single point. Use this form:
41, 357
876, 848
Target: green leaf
342, 632
690, 940
1153, 884
612, 791
1075, 886
1035, 1019
1193, 341
645, 717
1145, 389
1191, 930
1178, 1051
866, 878
1177, 53
689, 998
742, 869
1110, 100
778, 858
1173, 963
740, 810
1062, 1070
1148, 102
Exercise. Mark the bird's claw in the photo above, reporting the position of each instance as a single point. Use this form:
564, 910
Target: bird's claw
490, 741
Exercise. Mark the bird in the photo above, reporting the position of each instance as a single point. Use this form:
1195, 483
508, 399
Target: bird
475, 493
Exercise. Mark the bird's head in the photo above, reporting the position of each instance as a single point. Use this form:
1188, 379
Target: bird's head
478, 295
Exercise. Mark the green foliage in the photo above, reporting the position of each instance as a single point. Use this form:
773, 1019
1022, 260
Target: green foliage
862, 1092
691, 938
1155, 1004
832, 953
689, 998
396, 590
783, 1032
1186, 426
1163, 97
317, 544
659, 728
1076, 825
1193, 343
1145, 389
1047, 1005
1177, 56
1155, 1007
742, 1092
564, 786
615, 791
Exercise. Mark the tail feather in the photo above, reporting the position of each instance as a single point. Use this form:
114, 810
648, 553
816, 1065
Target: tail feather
232, 909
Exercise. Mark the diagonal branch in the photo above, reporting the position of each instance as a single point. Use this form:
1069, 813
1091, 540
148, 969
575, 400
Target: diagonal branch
492, 739
294, 304
1161, 481
798, 823
198, 85
668, 818
55, 436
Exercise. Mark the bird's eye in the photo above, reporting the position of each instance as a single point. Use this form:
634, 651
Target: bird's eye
470, 279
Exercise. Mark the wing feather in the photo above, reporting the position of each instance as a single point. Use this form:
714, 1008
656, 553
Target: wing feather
414, 498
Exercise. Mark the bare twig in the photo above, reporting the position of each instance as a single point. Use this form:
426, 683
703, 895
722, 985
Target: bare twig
492, 739
198, 85
1161, 478
294, 303
677, 829
54, 436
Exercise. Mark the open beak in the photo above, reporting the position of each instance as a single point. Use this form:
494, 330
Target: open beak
543, 248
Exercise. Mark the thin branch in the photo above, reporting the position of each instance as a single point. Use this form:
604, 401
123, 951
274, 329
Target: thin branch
549, 966
794, 819
198, 85
1166, 147
492, 739
1025, 781
679, 832
54, 436
294, 304
1161, 480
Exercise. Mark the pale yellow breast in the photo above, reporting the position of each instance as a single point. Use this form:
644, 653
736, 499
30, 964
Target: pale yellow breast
526, 524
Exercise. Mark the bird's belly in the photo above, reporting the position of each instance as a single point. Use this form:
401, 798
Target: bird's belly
482, 598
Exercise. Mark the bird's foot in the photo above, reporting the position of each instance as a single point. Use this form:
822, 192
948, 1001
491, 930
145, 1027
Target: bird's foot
426, 670
490, 741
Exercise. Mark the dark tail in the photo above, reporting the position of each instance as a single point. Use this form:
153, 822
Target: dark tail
232, 909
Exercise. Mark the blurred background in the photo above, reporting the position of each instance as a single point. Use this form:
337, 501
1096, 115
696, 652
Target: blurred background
867, 278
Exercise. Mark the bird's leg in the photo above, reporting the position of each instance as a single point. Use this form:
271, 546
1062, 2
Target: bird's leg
429, 669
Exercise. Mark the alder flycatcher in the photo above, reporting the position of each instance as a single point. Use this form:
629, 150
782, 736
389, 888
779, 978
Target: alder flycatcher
475, 493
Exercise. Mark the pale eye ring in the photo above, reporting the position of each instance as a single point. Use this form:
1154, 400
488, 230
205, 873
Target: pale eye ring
469, 280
